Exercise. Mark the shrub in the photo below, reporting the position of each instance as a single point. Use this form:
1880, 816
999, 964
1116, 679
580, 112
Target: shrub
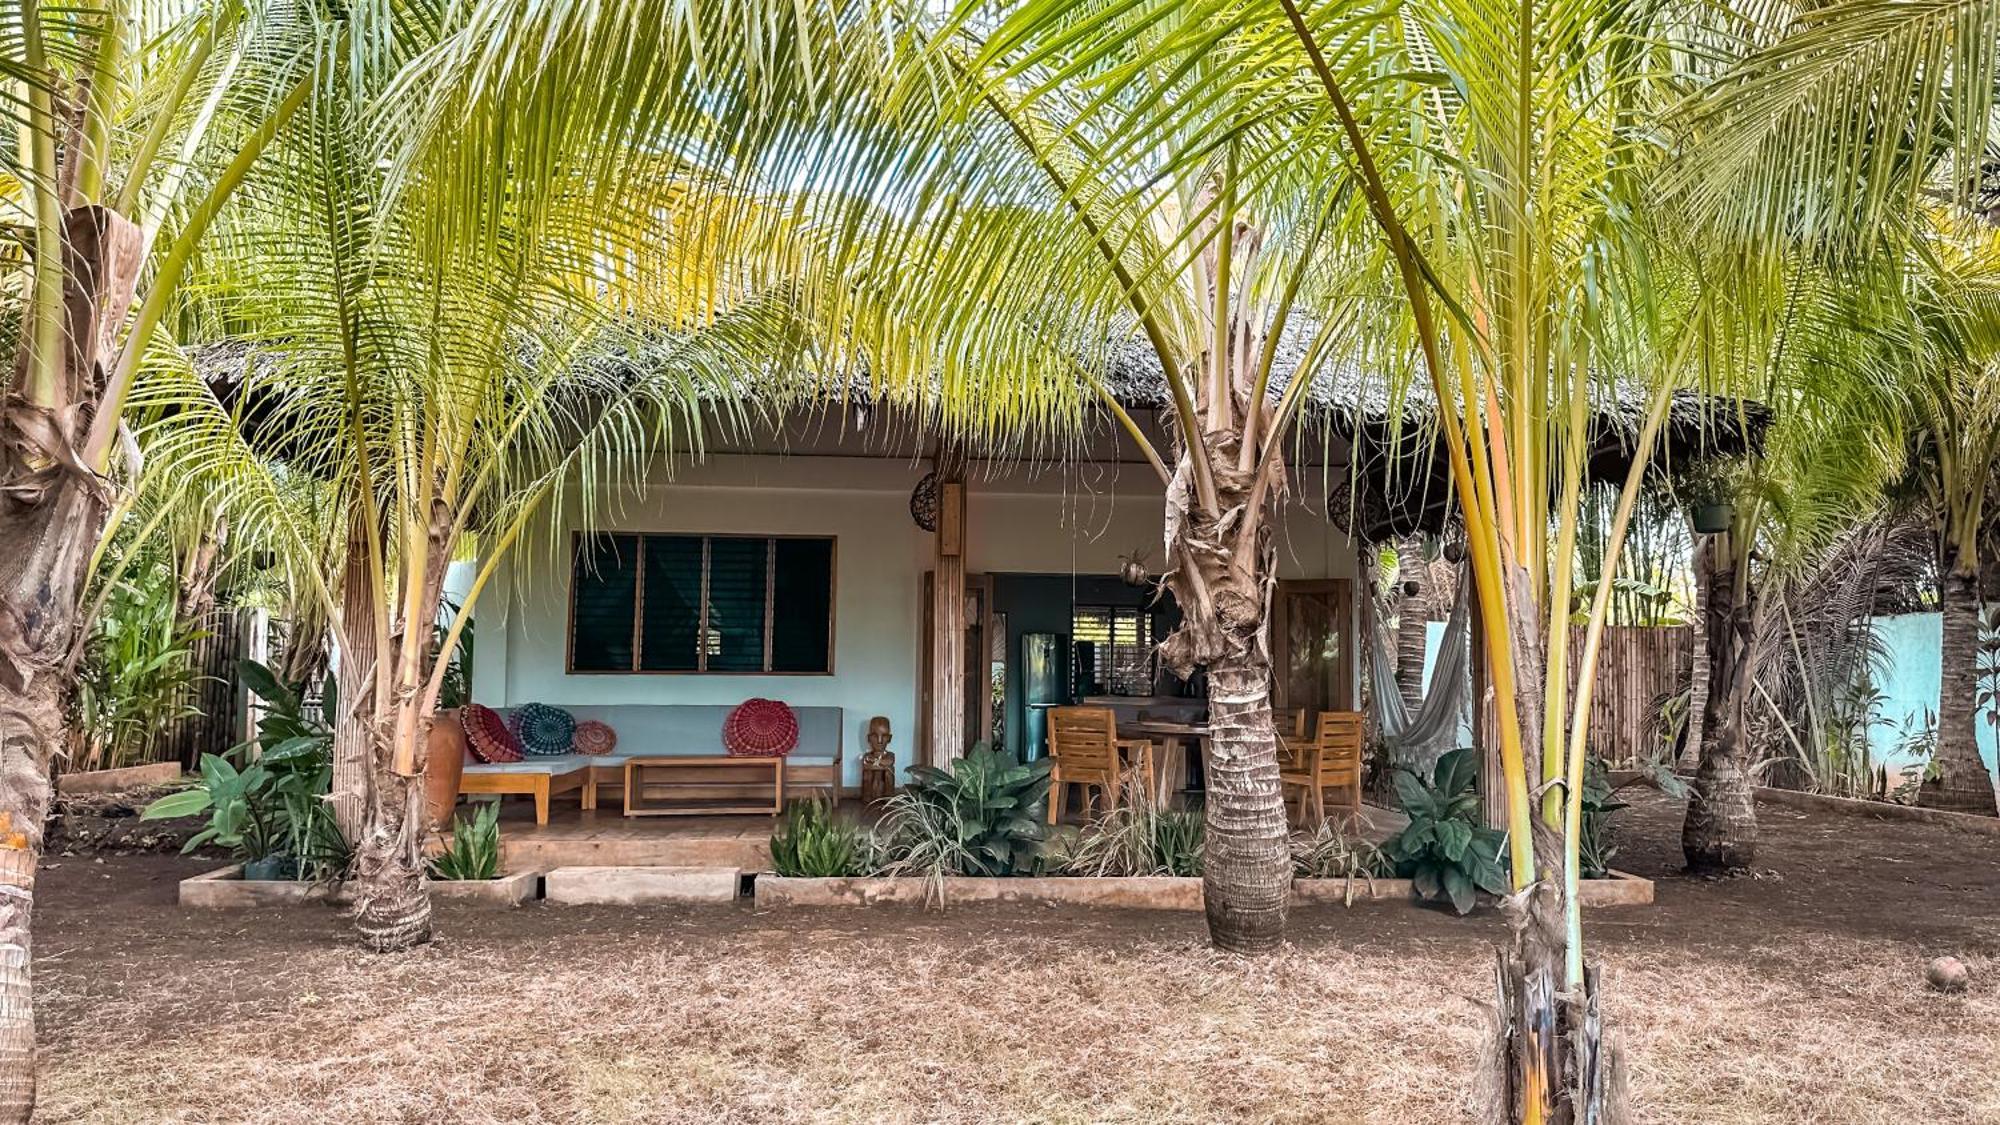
474, 849
1329, 853
1447, 851
1138, 838
982, 815
813, 842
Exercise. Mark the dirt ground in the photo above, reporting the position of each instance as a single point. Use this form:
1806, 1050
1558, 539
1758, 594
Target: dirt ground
1791, 996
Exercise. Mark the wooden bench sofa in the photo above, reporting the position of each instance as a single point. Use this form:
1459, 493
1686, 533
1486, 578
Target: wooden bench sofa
659, 730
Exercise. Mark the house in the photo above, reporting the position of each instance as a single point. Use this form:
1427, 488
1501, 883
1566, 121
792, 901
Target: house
806, 545
799, 560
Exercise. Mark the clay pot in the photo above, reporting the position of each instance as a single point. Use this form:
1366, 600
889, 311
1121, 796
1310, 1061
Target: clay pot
443, 765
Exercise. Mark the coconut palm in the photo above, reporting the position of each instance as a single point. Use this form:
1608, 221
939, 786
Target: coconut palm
442, 365
1833, 135
138, 122
1790, 503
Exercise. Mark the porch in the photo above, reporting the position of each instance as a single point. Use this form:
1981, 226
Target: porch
604, 837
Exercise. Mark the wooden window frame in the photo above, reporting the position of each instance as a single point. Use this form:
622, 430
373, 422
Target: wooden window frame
701, 626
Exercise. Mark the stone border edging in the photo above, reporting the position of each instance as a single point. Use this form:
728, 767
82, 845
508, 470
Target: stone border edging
119, 780
225, 888
1130, 893
507, 890
1880, 810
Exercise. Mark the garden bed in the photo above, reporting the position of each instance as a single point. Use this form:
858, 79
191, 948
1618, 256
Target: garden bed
1621, 889
226, 889
506, 890
1142, 893
1880, 810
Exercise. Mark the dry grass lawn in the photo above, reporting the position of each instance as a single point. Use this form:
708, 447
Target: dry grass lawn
1791, 998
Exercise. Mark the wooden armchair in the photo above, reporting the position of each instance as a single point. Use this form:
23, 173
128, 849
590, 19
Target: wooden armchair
1086, 749
1332, 760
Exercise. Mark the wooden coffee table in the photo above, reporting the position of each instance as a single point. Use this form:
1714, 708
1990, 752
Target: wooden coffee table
693, 775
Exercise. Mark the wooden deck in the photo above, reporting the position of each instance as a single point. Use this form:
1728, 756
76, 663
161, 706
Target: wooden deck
607, 838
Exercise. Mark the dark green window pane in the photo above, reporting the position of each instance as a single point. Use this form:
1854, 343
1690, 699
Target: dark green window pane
671, 615
736, 575
802, 606
604, 583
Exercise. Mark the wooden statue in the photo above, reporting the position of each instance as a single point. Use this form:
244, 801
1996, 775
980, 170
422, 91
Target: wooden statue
878, 765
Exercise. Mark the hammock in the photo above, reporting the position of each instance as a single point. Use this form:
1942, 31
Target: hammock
1443, 721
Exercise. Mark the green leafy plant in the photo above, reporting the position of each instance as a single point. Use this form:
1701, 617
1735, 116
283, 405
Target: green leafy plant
1597, 847
273, 804
137, 673
473, 852
982, 815
239, 806
814, 842
1330, 853
1137, 838
1447, 851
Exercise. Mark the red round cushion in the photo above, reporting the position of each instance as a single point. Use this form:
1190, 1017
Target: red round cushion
760, 728
594, 738
487, 736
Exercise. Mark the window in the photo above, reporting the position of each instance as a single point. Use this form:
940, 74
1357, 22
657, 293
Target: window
1114, 649
701, 603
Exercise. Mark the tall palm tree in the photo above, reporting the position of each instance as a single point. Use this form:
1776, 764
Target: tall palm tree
138, 123
1790, 501
1833, 134
436, 359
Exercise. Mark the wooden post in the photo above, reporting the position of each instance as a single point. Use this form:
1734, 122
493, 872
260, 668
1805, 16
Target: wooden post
947, 624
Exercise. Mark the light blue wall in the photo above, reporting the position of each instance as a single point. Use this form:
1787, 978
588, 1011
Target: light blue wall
1018, 521
1908, 678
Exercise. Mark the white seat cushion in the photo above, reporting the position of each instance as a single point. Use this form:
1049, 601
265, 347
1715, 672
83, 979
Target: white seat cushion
559, 763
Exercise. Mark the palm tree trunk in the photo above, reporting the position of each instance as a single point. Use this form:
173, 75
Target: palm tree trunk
1695, 730
52, 513
41, 590
1412, 620
1963, 783
1720, 830
355, 736
392, 910
1246, 862
1223, 575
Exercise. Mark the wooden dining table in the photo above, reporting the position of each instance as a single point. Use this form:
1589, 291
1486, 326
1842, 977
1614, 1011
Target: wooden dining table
1170, 761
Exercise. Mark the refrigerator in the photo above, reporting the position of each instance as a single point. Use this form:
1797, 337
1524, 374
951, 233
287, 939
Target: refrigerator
1044, 684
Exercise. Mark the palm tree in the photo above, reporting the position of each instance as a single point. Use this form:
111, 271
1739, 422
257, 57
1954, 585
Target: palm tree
436, 360
1832, 135
1945, 353
138, 124
1789, 503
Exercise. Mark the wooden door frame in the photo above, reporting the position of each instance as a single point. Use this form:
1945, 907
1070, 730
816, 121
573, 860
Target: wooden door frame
1281, 637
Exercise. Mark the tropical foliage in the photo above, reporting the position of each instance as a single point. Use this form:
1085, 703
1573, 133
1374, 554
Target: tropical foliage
473, 852
814, 841
983, 814
1447, 851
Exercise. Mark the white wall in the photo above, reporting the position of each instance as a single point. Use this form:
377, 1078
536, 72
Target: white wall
1054, 521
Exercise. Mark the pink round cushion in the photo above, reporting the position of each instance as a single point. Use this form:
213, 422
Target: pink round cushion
760, 728
594, 738
487, 736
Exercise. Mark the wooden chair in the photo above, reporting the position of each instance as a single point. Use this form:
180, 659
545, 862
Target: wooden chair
1332, 760
1086, 749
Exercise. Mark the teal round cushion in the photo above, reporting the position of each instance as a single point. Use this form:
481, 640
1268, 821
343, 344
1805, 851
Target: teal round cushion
545, 731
